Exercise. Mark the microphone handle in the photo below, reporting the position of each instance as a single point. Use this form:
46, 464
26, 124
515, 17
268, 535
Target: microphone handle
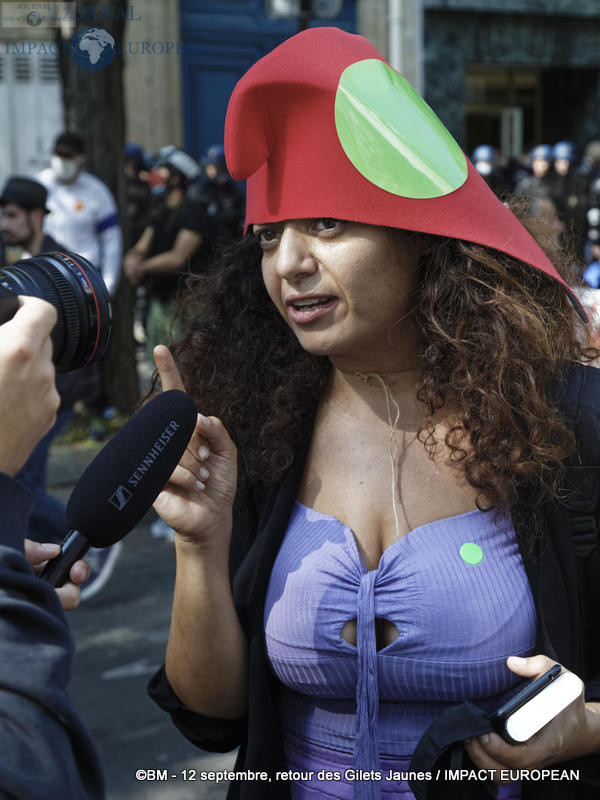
74, 547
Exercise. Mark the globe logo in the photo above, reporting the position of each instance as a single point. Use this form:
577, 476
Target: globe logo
93, 48
33, 19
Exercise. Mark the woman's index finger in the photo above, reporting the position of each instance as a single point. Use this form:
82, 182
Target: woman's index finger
167, 369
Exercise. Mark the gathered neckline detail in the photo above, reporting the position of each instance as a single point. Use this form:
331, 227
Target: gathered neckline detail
392, 546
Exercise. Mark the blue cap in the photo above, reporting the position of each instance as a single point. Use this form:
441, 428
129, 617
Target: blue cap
541, 151
564, 150
215, 154
484, 152
134, 151
172, 156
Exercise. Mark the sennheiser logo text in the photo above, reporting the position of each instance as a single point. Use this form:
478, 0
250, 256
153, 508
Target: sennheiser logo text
151, 456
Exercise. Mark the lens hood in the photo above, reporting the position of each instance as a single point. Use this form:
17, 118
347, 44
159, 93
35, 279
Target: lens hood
75, 288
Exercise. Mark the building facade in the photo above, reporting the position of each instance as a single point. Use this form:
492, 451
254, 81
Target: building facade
510, 73
514, 73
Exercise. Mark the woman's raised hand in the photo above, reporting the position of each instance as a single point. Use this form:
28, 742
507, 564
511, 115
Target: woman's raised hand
198, 499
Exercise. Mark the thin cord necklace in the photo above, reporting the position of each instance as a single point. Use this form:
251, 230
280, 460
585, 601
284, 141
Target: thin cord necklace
374, 377
369, 378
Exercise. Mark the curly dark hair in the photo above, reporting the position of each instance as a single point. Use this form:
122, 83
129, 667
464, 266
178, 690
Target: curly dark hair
494, 334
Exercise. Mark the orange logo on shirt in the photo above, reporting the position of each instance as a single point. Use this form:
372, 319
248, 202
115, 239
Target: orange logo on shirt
78, 205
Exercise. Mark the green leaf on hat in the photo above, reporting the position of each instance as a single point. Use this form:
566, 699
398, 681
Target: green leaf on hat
392, 136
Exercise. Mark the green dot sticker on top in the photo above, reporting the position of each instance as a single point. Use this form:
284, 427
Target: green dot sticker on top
471, 553
392, 136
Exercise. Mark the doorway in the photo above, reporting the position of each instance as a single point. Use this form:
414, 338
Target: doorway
503, 108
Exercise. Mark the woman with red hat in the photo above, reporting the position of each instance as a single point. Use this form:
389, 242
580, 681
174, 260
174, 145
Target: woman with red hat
371, 520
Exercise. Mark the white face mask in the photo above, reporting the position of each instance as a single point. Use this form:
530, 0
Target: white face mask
65, 169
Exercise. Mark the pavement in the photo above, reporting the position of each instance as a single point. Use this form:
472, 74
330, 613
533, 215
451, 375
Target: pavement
120, 637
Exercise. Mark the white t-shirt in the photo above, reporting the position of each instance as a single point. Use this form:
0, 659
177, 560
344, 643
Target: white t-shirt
83, 216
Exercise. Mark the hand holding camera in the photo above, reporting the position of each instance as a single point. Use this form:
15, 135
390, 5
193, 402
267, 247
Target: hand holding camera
55, 316
28, 397
70, 330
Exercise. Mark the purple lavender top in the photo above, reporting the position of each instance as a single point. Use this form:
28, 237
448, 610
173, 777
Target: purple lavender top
457, 593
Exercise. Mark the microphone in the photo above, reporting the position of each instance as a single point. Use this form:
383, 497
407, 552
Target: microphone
124, 479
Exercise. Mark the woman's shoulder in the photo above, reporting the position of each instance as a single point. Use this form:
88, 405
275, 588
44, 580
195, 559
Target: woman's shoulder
578, 388
578, 398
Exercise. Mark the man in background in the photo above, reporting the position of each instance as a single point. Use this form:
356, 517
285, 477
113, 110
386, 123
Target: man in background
23, 204
160, 257
568, 187
83, 213
222, 199
537, 184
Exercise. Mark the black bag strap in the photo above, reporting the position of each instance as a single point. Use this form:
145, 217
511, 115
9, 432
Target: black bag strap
440, 754
582, 483
584, 532
583, 488
582, 501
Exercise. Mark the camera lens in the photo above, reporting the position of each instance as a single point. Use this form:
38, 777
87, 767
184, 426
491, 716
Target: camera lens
76, 290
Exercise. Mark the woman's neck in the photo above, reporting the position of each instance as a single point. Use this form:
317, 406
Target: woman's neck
396, 376
365, 394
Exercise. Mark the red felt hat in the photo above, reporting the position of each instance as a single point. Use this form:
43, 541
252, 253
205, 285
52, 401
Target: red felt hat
323, 127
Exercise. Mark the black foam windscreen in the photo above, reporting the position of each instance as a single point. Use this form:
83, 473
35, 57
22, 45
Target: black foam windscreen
130, 471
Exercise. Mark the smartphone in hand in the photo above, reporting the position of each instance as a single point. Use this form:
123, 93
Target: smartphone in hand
536, 703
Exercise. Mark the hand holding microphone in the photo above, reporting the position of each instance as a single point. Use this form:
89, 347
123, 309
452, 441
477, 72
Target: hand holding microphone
198, 500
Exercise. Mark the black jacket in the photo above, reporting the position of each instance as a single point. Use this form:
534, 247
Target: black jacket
568, 630
47, 752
